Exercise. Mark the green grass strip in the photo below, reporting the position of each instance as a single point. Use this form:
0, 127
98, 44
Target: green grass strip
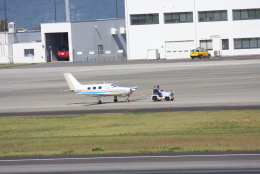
12, 65
130, 133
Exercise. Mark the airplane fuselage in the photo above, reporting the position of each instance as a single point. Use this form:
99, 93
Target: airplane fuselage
104, 90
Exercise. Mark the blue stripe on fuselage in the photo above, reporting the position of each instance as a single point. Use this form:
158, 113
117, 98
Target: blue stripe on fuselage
101, 92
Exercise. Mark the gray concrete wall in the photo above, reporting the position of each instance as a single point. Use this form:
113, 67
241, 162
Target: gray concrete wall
86, 36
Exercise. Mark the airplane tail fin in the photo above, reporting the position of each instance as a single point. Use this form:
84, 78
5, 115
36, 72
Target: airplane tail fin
72, 82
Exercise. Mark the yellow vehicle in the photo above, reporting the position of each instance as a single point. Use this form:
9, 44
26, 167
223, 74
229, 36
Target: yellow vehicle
199, 52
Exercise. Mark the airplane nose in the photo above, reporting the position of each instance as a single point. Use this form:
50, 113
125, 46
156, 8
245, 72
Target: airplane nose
134, 88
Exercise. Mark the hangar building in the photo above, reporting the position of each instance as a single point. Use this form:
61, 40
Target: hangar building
171, 28
20, 45
87, 40
97, 40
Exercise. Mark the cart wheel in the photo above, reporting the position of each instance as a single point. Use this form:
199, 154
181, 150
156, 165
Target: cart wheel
154, 98
167, 98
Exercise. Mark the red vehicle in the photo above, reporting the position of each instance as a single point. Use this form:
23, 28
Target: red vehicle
63, 52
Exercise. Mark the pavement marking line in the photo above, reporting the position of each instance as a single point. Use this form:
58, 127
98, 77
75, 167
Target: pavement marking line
215, 83
214, 99
166, 66
128, 157
16, 78
237, 81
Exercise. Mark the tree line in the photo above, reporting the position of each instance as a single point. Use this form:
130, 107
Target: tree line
3, 25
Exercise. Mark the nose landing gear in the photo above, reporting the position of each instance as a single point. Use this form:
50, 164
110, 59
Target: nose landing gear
115, 99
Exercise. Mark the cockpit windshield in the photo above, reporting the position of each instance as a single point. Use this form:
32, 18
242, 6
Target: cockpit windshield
113, 85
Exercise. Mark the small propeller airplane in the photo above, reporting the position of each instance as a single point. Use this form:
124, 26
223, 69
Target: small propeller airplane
99, 90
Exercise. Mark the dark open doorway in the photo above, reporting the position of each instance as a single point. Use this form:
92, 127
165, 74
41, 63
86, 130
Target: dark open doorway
53, 42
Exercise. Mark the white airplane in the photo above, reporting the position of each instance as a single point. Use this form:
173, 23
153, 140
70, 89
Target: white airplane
99, 90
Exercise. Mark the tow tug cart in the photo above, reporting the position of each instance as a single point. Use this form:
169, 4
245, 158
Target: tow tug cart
167, 96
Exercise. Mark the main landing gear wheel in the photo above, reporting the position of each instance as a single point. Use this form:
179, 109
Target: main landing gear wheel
99, 102
115, 99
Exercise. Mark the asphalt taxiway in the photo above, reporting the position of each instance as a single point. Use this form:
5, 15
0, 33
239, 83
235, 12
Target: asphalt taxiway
198, 85
161, 163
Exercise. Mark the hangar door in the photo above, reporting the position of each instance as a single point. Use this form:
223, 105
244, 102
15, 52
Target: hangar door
179, 49
53, 42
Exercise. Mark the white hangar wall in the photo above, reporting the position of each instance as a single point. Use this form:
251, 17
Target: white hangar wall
3, 48
12, 50
175, 39
28, 53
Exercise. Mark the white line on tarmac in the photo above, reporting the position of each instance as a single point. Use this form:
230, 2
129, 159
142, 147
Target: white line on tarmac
143, 66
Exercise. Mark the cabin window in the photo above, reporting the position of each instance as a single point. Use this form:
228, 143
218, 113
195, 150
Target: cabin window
113, 85
100, 87
94, 87
89, 88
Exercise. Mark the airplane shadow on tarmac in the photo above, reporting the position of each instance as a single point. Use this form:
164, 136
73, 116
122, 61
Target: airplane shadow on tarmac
95, 103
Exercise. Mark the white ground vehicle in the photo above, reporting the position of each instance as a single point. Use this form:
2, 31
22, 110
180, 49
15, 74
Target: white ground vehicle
167, 96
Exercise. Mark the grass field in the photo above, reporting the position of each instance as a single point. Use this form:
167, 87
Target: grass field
130, 133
